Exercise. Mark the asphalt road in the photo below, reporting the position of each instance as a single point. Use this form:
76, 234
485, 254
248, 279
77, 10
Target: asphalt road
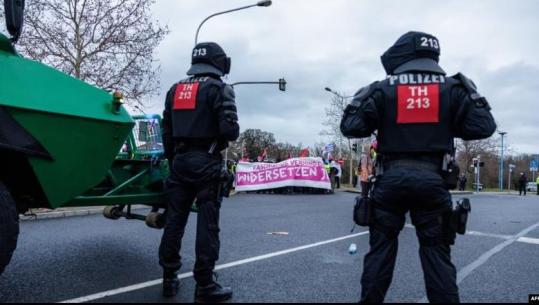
100, 260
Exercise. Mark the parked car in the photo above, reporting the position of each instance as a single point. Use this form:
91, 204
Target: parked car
531, 187
475, 186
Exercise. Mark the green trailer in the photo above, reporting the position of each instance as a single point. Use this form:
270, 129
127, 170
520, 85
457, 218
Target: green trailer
65, 143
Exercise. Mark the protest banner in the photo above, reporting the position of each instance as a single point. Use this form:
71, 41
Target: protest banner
299, 172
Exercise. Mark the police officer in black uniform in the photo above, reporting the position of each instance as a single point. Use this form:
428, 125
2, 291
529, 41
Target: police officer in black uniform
418, 111
199, 120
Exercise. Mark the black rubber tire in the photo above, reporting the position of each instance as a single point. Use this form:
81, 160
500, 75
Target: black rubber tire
155, 220
9, 227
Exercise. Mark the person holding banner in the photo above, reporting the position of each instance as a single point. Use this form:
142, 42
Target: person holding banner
366, 169
337, 172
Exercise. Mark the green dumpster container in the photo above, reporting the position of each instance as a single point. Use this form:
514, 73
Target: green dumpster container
77, 124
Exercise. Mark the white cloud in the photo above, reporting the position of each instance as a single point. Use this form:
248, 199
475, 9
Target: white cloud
337, 43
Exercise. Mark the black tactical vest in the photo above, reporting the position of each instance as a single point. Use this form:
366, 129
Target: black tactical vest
415, 114
193, 115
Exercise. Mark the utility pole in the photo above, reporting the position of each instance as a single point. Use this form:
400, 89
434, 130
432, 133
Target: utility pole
477, 171
502, 134
511, 167
263, 3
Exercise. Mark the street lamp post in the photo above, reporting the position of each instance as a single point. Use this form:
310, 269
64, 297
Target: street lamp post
502, 134
337, 94
263, 3
282, 86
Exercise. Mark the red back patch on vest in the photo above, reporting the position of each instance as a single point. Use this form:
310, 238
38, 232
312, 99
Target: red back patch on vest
185, 97
418, 104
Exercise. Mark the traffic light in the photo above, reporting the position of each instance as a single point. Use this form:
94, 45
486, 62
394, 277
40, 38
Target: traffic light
282, 84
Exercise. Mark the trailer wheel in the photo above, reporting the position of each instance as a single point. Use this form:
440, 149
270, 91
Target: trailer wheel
111, 212
155, 221
9, 227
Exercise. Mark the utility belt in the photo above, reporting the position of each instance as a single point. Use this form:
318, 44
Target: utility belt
428, 165
209, 147
455, 220
443, 165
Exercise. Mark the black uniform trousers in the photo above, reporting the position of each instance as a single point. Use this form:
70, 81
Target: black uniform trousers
522, 189
194, 175
421, 192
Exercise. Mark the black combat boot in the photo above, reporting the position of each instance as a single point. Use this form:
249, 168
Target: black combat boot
171, 284
213, 293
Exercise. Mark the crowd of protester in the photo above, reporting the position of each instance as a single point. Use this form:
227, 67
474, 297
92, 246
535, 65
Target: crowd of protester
362, 174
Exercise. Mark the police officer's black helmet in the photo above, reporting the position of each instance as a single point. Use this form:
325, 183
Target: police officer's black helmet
413, 52
209, 58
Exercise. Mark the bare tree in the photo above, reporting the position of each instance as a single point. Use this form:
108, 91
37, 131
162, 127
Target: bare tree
332, 129
255, 141
108, 43
252, 142
488, 149
3, 29
467, 150
334, 114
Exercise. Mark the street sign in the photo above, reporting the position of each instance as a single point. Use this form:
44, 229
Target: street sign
534, 165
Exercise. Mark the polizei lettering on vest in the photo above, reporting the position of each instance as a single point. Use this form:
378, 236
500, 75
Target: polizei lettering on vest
414, 79
201, 79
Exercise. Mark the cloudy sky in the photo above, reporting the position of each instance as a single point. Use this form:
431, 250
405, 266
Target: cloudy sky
338, 43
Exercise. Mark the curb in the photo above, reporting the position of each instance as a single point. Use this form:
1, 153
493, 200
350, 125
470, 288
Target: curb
512, 193
64, 214
462, 193
75, 213
354, 191
59, 214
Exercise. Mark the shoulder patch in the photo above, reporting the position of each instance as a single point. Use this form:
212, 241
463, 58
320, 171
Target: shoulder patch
471, 88
363, 94
228, 92
469, 85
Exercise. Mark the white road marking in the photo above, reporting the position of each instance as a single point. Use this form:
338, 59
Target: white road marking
409, 226
113, 292
466, 271
463, 273
475, 233
529, 240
